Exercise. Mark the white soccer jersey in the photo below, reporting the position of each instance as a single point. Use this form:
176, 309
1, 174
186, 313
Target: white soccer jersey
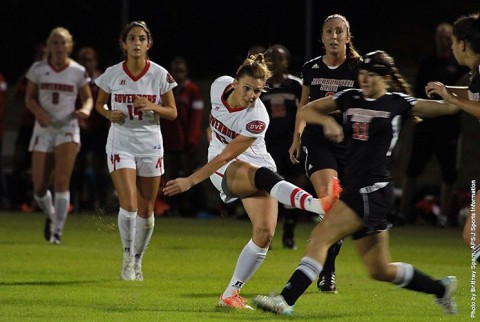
226, 123
58, 88
140, 134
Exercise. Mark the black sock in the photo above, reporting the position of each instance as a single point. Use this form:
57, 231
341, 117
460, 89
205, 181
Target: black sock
290, 221
265, 179
329, 266
297, 284
425, 284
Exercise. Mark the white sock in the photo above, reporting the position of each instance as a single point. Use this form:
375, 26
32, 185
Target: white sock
126, 226
62, 201
289, 194
476, 252
46, 205
248, 262
310, 267
143, 234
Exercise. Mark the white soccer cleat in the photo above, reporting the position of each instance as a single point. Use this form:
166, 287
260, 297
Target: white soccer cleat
138, 272
447, 302
55, 239
275, 304
128, 272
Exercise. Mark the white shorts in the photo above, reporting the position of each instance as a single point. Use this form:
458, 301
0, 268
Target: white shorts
45, 139
146, 166
217, 177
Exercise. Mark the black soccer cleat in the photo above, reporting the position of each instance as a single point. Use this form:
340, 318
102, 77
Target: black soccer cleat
326, 283
289, 243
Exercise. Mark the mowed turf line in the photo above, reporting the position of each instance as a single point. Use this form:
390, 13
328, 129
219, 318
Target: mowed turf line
188, 265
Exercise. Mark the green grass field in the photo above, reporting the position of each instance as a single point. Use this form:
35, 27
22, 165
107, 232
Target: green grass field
187, 266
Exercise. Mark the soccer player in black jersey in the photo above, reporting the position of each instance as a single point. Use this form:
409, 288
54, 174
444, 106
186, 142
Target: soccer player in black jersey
371, 115
466, 49
281, 101
325, 76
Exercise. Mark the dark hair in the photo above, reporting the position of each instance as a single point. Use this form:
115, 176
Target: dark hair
277, 47
126, 29
383, 64
254, 66
467, 28
352, 55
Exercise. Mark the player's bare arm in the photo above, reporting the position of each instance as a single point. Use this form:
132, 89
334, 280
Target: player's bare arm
429, 108
167, 110
230, 152
294, 150
32, 104
114, 116
87, 102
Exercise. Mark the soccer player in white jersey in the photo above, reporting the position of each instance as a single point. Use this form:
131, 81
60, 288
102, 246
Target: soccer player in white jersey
52, 89
240, 167
141, 93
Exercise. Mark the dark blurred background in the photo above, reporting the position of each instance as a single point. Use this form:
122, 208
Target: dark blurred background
214, 36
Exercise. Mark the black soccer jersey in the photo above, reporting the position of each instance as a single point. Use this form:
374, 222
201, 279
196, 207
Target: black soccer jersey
281, 103
325, 81
371, 131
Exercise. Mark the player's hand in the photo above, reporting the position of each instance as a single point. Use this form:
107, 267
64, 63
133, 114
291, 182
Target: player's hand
437, 88
43, 119
294, 152
142, 104
82, 114
333, 131
177, 186
115, 116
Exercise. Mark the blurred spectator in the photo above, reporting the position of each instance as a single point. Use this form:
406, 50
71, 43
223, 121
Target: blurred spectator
4, 202
91, 184
281, 100
21, 189
181, 140
434, 136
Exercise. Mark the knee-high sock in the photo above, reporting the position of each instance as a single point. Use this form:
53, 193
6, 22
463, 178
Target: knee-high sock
285, 192
306, 272
476, 253
410, 278
45, 203
248, 262
143, 234
291, 195
62, 202
126, 226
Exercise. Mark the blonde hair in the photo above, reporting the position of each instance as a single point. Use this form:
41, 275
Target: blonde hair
254, 66
66, 34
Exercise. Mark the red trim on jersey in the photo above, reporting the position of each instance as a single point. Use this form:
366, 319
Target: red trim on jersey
133, 77
224, 101
219, 174
292, 196
58, 70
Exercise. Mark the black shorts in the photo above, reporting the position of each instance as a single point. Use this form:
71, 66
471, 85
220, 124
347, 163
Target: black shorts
373, 204
320, 157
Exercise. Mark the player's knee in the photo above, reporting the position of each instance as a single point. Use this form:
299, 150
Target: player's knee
263, 235
380, 274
